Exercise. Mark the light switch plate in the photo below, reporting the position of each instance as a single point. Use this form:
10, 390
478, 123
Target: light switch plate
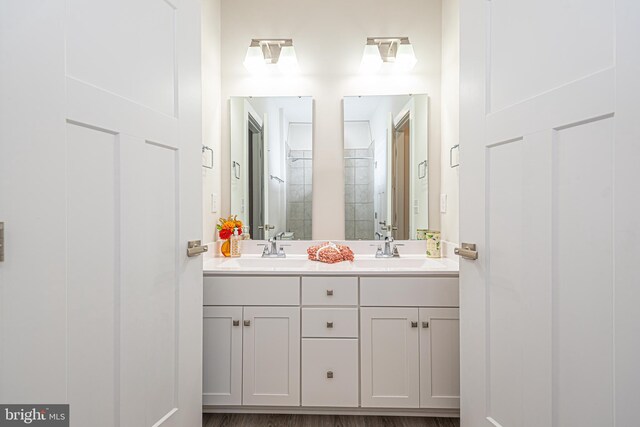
443, 203
214, 203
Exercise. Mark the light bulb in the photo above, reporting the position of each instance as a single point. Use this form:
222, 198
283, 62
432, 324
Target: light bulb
405, 57
254, 60
288, 62
371, 60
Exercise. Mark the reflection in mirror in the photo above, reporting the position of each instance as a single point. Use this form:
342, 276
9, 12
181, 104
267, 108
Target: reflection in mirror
385, 158
271, 165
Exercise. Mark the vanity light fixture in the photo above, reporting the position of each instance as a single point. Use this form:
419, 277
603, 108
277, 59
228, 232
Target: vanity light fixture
264, 52
371, 59
395, 50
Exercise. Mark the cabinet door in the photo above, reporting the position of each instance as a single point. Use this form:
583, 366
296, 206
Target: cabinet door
222, 356
439, 358
330, 372
390, 365
271, 355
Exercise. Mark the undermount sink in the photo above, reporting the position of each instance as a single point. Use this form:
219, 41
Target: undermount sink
396, 263
257, 262
299, 262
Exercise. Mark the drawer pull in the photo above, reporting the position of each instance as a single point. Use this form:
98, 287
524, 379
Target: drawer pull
329, 374
414, 324
247, 323
329, 324
425, 324
329, 292
236, 323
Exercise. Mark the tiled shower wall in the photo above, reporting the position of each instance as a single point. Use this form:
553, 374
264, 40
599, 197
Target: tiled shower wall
359, 188
299, 173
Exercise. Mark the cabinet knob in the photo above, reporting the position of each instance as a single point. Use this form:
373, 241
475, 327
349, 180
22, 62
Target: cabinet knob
329, 374
236, 323
329, 292
414, 324
247, 323
329, 324
425, 324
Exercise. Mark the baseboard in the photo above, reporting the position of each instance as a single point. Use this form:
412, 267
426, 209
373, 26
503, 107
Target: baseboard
404, 412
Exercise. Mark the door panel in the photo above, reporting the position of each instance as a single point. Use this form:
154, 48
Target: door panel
584, 261
523, 34
271, 356
149, 77
222, 376
539, 159
93, 190
113, 198
390, 364
149, 280
439, 358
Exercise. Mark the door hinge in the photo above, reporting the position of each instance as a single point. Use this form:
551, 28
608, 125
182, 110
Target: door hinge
1, 241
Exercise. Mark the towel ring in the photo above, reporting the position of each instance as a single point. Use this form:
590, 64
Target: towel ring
451, 156
236, 169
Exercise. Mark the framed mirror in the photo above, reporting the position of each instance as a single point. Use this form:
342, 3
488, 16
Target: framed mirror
271, 165
386, 166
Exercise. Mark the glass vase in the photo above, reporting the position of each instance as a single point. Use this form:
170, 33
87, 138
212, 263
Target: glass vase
225, 249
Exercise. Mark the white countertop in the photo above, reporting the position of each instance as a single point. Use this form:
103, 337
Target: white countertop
363, 265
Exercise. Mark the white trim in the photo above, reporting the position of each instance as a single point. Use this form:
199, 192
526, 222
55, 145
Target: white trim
451, 413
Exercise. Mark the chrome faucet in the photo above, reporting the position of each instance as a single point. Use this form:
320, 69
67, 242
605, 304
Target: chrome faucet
388, 251
271, 249
378, 235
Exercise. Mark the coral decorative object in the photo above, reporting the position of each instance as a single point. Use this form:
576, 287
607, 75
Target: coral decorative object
225, 231
330, 253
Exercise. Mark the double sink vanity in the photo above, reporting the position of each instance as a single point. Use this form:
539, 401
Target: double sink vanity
372, 336
379, 335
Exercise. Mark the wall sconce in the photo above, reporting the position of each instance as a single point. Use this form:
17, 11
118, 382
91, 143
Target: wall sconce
395, 50
264, 52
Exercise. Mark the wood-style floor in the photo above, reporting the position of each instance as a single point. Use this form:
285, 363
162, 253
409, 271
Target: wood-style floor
267, 420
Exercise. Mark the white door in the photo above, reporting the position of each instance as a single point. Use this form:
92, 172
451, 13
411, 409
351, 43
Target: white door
222, 356
549, 179
100, 123
271, 356
390, 365
439, 358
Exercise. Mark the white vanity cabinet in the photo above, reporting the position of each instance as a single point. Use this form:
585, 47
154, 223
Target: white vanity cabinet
314, 342
410, 352
222, 355
439, 357
390, 357
251, 351
271, 356
330, 361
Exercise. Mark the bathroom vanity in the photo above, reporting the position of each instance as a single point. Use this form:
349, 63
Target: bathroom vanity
376, 336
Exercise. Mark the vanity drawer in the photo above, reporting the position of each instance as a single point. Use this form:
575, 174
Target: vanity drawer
330, 290
330, 372
330, 322
239, 290
409, 291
